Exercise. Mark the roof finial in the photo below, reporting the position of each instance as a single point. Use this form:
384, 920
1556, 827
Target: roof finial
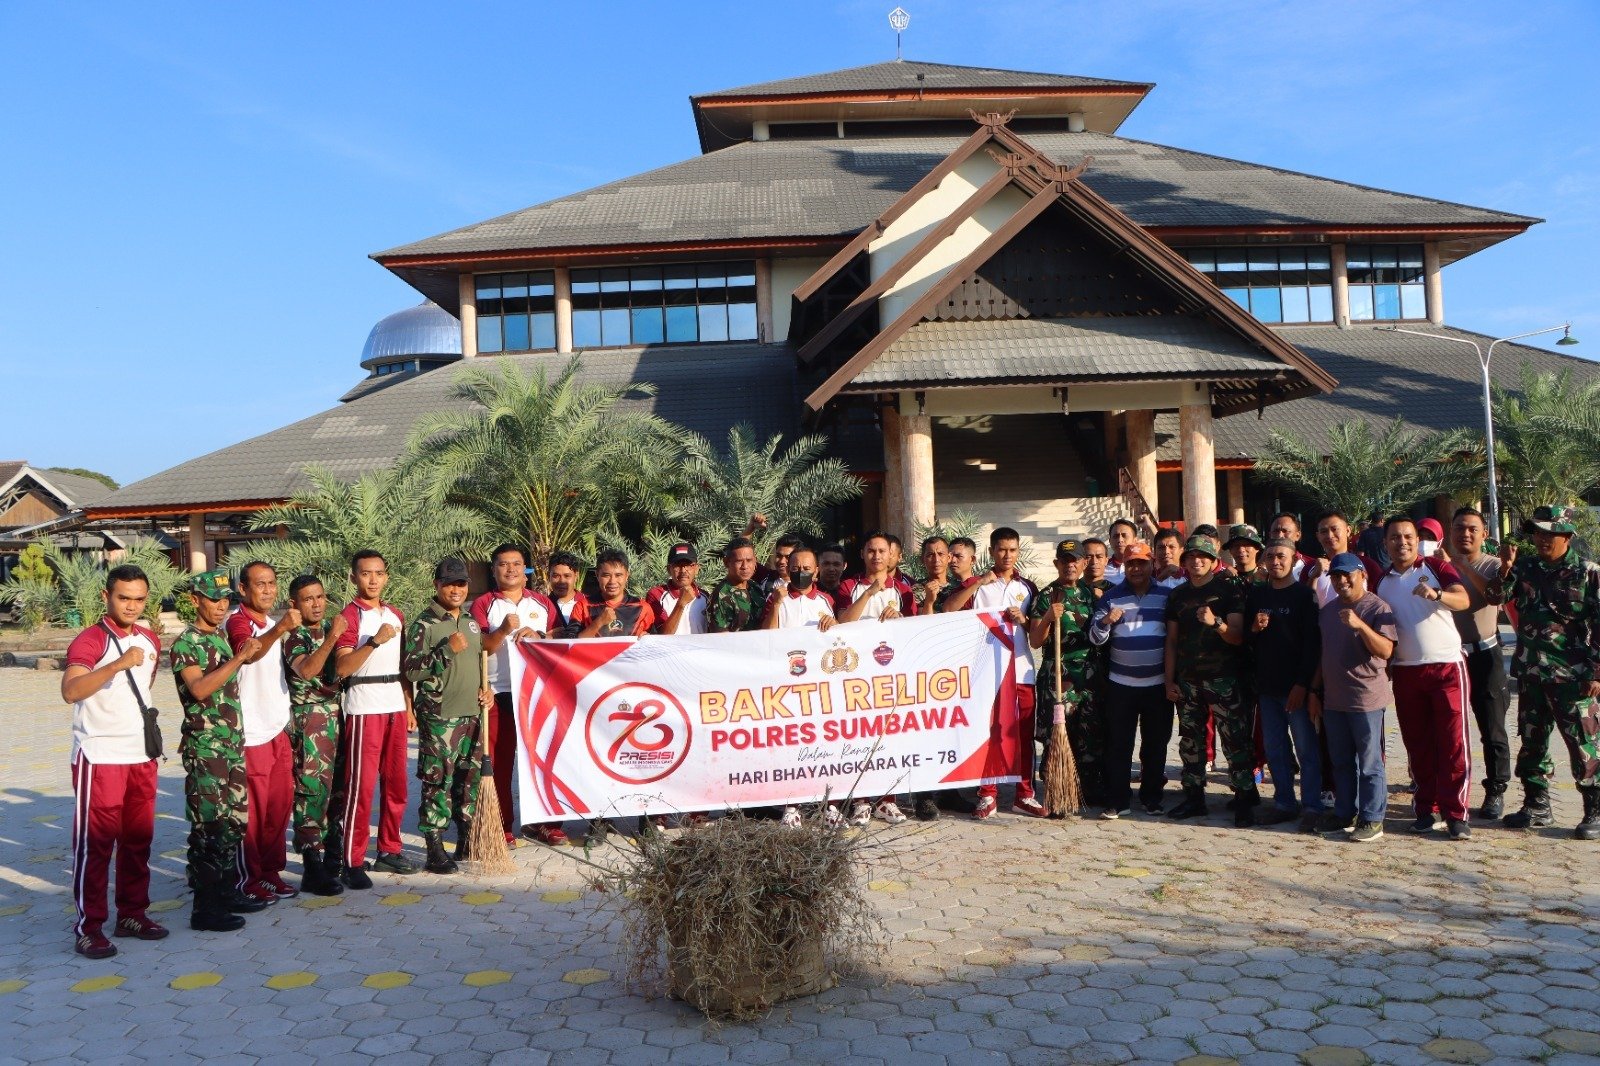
899, 18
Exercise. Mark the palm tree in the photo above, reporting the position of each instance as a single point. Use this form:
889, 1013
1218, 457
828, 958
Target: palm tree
1364, 470
71, 593
1547, 440
792, 487
391, 511
549, 461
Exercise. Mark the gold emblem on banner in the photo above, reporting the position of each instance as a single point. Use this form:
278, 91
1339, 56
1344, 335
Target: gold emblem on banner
840, 659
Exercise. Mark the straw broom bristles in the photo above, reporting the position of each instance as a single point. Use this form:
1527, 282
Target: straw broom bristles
1062, 793
486, 839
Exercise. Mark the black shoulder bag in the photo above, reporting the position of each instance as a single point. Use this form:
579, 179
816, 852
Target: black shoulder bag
152, 727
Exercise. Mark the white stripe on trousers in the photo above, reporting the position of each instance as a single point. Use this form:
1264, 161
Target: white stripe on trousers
1466, 730
82, 787
352, 781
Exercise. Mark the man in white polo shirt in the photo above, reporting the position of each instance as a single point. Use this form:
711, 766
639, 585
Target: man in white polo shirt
680, 604
268, 754
1430, 678
799, 604
377, 718
110, 668
512, 613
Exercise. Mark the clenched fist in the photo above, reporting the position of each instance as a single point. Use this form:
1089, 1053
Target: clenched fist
1349, 617
1113, 616
1263, 619
1203, 615
248, 650
131, 658
458, 643
385, 634
292, 617
337, 627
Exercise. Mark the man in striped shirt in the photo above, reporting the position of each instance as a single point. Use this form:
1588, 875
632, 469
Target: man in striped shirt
1131, 618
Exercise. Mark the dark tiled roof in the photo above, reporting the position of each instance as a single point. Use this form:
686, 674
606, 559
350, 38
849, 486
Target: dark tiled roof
830, 187
77, 489
1434, 384
902, 74
1046, 349
705, 388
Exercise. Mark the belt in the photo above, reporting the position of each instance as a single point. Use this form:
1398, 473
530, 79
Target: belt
1486, 644
370, 679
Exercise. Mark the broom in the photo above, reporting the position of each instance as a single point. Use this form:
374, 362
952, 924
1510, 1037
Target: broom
1062, 795
486, 840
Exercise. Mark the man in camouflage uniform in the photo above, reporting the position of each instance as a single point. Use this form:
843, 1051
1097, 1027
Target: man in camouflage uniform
735, 604
1066, 599
314, 732
212, 749
443, 661
1205, 626
1557, 664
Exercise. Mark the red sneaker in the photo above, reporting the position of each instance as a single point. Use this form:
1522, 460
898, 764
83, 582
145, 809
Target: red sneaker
547, 833
280, 888
1029, 806
95, 946
140, 927
986, 807
259, 890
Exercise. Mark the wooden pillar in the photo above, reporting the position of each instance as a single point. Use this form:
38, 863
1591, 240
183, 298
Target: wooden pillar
1434, 284
563, 280
197, 544
764, 301
1195, 433
1341, 287
1142, 455
468, 294
916, 466
1235, 497
894, 496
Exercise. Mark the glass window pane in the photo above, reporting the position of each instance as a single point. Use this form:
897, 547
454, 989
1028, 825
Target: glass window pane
1263, 269
647, 325
682, 325
489, 333
1267, 305
585, 329
714, 322
713, 275
1202, 259
1321, 303
1292, 260
646, 279
1386, 301
740, 294
585, 281
1361, 303
516, 333
680, 276
614, 279
614, 326
1238, 296
544, 333
1296, 305
1413, 303
542, 283
742, 322
542, 302
741, 273
488, 286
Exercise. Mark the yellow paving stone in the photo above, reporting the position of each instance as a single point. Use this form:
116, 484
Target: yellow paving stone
316, 903
481, 899
587, 976
47, 856
1206, 1060
104, 983
562, 895
294, 979
388, 979
484, 978
1333, 1055
1457, 1050
13, 985
1574, 1040
45, 818
1130, 871
15, 908
161, 905
190, 981
887, 886
400, 899
1086, 953
176, 853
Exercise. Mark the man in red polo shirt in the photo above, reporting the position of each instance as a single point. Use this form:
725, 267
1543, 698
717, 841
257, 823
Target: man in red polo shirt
512, 613
110, 669
377, 718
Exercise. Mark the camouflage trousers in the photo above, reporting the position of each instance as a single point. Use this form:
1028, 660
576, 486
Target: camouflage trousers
449, 763
1575, 716
1086, 731
1226, 700
216, 803
314, 734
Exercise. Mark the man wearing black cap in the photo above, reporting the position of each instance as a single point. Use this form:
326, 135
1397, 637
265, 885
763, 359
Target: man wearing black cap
1066, 603
443, 653
679, 605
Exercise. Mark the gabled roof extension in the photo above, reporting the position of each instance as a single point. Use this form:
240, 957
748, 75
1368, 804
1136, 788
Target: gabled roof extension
902, 74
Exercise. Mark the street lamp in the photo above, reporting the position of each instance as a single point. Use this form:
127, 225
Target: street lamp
1484, 356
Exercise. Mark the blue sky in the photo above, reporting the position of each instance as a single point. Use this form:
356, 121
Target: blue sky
192, 191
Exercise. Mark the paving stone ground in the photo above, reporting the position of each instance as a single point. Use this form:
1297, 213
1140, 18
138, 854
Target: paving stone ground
1014, 941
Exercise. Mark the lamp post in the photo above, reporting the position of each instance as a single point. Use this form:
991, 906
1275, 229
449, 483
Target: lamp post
1484, 356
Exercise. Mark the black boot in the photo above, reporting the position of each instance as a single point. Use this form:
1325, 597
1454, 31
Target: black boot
463, 835
1494, 802
1535, 813
333, 851
1244, 808
1193, 805
1589, 828
317, 880
437, 862
210, 914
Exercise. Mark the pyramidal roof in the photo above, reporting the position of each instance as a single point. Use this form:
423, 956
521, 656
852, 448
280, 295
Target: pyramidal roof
913, 75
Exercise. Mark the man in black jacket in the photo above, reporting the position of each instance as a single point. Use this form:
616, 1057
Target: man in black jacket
1281, 615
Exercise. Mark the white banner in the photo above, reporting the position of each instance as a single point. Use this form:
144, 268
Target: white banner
661, 725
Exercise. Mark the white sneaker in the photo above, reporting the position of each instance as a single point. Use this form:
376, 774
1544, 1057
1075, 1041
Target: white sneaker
832, 816
791, 817
861, 813
890, 812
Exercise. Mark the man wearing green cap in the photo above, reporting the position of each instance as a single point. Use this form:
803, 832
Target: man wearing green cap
1557, 664
212, 748
1205, 626
1067, 603
1244, 543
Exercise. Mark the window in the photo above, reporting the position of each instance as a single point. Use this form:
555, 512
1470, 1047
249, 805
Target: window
1385, 282
1274, 284
385, 369
680, 303
516, 312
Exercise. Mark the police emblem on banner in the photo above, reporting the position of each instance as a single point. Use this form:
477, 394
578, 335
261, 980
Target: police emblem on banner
840, 659
797, 663
883, 653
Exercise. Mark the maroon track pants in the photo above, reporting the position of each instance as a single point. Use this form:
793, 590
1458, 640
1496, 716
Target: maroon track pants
269, 782
374, 754
114, 811
503, 753
1431, 703
1025, 729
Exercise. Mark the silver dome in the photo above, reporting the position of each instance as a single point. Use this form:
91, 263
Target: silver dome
424, 330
